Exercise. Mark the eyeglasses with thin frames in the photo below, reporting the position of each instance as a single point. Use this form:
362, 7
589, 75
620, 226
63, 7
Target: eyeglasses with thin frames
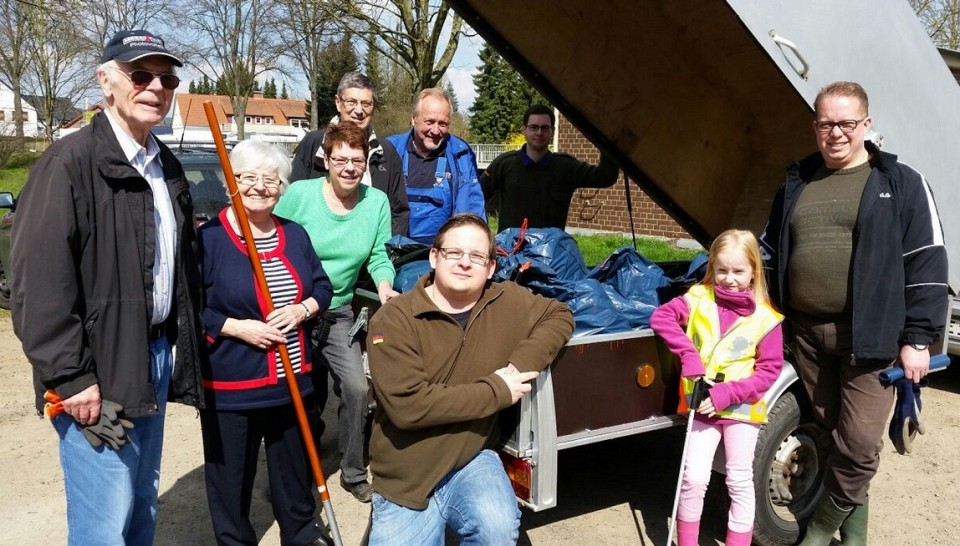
846, 125
367, 105
143, 78
540, 128
455, 254
341, 162
250, 179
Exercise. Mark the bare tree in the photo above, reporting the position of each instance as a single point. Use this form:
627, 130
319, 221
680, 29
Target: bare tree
233, 42
101, 19
304, 28
14, 19
942, 20
415, 34
58, 54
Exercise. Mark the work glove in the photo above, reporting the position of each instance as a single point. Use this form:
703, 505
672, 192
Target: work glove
906, 423
111, 429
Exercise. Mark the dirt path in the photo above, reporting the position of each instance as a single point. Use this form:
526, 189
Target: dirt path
610, 494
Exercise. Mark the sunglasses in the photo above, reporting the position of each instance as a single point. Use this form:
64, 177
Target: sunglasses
143, 78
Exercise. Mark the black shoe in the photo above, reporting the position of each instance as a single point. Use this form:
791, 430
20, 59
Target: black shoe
362, 491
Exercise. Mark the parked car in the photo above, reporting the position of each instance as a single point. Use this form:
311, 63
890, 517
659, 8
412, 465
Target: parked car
203, 170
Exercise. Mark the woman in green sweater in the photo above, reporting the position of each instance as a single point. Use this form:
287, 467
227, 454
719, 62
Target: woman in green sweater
348, 224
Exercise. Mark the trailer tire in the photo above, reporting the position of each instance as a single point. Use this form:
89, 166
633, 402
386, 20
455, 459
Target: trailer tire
787, 473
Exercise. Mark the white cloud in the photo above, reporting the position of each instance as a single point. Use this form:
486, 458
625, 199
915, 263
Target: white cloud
462, 81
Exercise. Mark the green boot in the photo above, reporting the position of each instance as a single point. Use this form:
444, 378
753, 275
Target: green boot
825, 522
853, 531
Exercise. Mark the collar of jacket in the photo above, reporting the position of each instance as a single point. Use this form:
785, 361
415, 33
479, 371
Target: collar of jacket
879, 159
421, 304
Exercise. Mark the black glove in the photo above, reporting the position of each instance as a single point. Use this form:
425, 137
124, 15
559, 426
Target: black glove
111, 429
906, 421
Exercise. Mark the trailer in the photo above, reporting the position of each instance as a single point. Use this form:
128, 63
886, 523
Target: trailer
704, 103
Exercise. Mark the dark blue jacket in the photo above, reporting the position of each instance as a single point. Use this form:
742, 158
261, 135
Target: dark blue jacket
235, 374
898, 278
431, 207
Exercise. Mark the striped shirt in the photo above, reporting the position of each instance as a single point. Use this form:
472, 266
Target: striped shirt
283, 291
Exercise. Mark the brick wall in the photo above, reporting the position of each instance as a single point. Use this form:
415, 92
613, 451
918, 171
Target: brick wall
606, 209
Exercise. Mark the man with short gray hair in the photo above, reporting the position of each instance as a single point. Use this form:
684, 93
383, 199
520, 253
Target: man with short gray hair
106, 279
356, 101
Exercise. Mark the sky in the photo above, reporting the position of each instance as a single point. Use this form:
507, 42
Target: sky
460, 73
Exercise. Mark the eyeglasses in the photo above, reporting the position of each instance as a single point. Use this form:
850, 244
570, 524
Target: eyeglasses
845, 125
367, 105
539, 128
251, 179
341, 162
143, 78
455, 254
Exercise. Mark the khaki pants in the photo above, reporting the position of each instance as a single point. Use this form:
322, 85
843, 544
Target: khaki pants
849, 403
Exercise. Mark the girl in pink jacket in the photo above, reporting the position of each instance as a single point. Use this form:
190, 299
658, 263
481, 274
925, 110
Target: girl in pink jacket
724, 331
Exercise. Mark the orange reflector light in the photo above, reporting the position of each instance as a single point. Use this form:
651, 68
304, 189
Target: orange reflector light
520, 473
645, 375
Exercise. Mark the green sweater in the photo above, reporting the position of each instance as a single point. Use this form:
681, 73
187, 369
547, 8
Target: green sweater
343, 242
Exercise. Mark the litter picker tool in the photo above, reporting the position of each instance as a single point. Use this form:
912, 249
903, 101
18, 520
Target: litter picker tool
244, 224
700, 389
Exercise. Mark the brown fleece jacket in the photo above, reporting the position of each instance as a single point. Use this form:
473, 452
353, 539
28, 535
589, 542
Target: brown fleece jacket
437, 393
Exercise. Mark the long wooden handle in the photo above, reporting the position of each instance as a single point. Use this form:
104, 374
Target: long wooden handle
261, 279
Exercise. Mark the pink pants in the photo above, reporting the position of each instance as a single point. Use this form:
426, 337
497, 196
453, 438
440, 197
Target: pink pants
739, 440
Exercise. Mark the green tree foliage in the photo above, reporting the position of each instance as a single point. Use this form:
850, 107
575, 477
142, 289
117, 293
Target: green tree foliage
337, 58
502, 97
283, 91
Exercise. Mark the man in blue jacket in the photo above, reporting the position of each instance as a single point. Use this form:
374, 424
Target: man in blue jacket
439, 169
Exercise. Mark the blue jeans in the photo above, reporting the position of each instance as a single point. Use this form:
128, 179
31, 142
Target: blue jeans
476, 501
112, 495
341, 355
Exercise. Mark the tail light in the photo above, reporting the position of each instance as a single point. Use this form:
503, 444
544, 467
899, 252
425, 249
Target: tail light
520, 472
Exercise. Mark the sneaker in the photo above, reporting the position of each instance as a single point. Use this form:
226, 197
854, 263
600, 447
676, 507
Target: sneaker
362, 491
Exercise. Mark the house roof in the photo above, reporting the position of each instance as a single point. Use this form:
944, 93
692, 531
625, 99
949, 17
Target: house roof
63, 108
190, 109
78, 120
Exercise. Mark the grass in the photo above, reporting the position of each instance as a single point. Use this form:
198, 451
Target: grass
596, 248
14, 175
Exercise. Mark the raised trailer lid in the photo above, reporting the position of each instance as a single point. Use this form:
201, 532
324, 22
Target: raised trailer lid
705, 102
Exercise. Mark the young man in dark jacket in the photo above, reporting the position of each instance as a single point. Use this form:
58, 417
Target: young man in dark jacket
445, 359
356, 101
855, 258
106, 279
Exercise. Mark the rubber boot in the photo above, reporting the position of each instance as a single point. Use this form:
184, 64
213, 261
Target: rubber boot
688, 532
853, 531
826, 520
738, 539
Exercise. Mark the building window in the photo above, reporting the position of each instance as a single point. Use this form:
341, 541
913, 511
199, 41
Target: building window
3, 116
25, 116
259, 119
247, 119
269, 121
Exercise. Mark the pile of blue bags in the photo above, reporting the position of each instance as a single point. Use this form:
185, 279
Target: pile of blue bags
618, 295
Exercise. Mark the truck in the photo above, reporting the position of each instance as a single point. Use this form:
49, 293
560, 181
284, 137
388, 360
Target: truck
703, 103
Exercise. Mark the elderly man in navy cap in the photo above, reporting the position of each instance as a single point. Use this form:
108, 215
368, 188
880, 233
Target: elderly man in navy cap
106, 281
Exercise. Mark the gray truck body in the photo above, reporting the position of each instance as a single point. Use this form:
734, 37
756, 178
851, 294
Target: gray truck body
704, 103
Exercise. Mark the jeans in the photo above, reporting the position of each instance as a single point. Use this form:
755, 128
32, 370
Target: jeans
476, 501
112, 495
341, 356
739, 443
849, 404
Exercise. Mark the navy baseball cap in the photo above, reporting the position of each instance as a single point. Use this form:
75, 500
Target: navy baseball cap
131, 45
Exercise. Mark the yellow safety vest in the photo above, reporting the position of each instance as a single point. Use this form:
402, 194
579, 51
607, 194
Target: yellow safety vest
733, 353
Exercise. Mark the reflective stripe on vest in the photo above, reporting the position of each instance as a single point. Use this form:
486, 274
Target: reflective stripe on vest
733, 353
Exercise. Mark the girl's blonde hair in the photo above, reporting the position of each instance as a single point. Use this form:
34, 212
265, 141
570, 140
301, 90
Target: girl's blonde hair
745, 242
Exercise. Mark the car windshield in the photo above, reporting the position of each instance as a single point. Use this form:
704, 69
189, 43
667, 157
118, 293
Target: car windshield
207, 186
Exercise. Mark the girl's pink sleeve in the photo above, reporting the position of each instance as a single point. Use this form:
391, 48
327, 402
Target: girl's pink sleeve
669, 321
766, 370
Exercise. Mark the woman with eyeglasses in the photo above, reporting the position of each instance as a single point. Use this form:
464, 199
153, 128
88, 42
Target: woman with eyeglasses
248, 401
349, 223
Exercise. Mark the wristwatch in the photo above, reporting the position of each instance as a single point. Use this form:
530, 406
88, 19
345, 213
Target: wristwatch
919, 346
